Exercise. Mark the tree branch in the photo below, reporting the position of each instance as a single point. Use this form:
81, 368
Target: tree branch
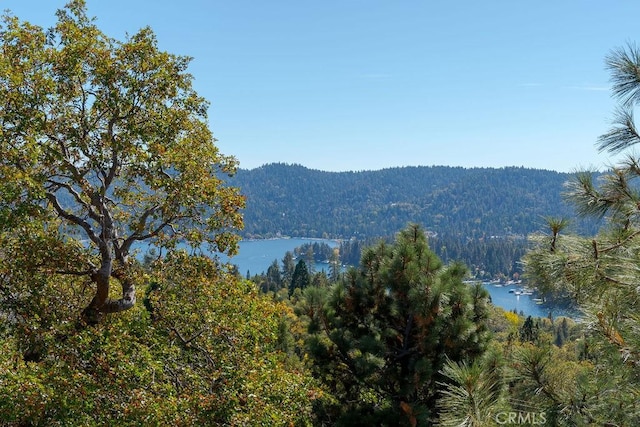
77, 197
76, 174
75, 220
622, 242
142, 223
114, 157
186, 341
135, 236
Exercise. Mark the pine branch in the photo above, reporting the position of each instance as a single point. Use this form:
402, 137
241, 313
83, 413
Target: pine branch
624, 65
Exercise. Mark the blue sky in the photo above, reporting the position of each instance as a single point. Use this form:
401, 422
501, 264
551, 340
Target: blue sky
362, 85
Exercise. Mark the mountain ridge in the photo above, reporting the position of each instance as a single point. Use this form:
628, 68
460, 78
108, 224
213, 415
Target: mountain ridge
293, 200
301, 166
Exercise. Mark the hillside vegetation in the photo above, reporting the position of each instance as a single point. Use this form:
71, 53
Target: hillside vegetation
105, 143
292, 200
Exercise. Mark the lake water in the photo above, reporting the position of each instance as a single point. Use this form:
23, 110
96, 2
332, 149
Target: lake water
527, 304
255, 256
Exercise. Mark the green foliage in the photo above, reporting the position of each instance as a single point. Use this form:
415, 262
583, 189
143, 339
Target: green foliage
549, 380
209, 352
288, 268
487, 257
471, 394
32, 303
450, 201
110, 138
301, 278
600, 273
529, 332
233, 337
321, 251
380, 336
524, 374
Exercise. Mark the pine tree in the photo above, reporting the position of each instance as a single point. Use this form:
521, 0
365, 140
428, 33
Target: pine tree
529, 331
274, 280
288, 267
380, 337
472, 393
601, 273
301, 278
334, 265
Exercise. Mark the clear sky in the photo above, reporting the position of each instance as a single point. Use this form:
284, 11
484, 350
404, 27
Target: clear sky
368, 84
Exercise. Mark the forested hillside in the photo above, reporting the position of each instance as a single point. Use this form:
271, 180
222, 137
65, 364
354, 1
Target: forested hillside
105, 143
296, 201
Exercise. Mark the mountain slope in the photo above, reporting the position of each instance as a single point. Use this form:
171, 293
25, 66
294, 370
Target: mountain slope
297, 201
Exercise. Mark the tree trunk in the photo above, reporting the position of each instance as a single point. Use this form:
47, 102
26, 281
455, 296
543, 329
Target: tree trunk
101, 304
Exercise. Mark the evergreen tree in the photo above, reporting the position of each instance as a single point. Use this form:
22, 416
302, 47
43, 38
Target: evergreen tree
301, 278
334, 265
288, 267
529, 331
601, 273
560, 336
273, 279
380, 336
310, 259
320, 279
472, 393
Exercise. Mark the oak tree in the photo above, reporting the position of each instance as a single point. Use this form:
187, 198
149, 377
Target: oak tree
108, 143
205, 348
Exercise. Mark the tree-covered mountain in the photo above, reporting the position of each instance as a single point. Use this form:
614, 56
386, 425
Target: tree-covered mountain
293, 200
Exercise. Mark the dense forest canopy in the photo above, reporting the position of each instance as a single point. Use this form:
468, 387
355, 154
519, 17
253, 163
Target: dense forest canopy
292, 200
481, 216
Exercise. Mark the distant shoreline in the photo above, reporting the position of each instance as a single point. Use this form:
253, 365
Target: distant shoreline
321, 239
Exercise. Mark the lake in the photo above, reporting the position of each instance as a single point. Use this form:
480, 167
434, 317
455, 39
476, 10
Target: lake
527, 304
255, 257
